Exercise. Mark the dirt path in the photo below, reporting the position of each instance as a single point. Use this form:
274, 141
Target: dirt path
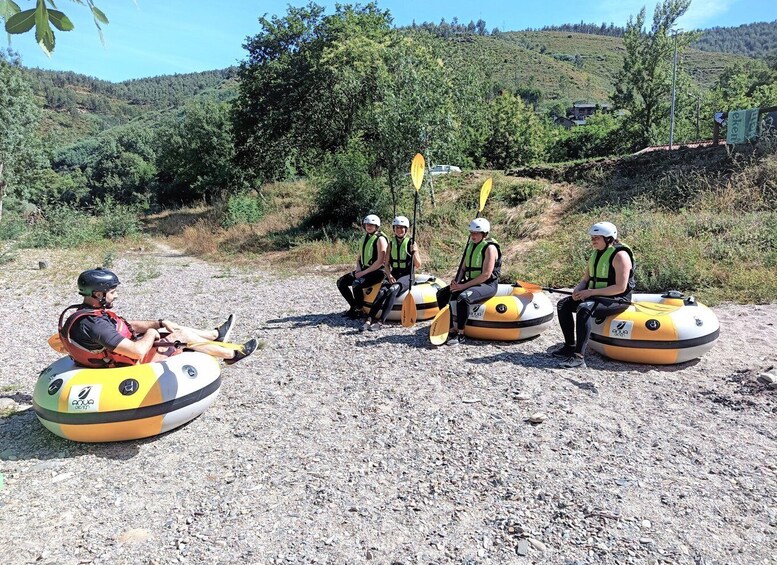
332, 446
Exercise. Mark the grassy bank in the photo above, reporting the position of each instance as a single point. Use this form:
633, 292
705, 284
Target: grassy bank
700, 221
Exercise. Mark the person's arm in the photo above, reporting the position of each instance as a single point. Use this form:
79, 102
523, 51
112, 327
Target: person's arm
416, 256
142, 326
488, 268
137, 349
103, 332
387, 268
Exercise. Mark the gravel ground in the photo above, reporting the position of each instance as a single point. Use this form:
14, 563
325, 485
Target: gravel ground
331, 446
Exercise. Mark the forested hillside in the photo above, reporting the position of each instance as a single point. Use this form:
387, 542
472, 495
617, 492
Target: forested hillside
754, 40
548, 69
79, 106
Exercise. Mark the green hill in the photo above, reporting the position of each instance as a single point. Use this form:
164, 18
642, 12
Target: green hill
78, 106
566, 67
754, 40
559, 67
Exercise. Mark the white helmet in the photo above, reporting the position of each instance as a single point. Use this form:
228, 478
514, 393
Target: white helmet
480, 225
371, 219
605, 229
401, 221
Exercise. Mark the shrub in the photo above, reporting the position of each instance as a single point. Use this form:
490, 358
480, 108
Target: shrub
347, 192
63, 226
11, 226
242, 209
116, 221
520, 191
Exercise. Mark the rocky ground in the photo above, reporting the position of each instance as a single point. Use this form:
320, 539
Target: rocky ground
331, 446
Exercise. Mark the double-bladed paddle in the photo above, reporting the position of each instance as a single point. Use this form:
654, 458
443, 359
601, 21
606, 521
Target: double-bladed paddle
441, 325
409, 311
651, 306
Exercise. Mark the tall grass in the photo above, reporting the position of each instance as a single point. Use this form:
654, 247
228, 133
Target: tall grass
700, 222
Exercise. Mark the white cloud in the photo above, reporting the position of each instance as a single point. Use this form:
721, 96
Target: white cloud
703, 11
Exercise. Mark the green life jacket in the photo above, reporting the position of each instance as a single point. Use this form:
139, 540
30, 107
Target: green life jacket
399, 257
600, 271
474, 256
369, 248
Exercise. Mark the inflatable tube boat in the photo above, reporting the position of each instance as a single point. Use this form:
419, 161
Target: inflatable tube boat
657, 329
424, 292
123, 403
514, 313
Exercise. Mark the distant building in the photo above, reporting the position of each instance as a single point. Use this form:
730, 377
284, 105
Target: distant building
583, 110
577, 114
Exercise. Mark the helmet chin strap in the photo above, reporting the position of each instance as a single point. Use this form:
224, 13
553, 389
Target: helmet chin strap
103, 302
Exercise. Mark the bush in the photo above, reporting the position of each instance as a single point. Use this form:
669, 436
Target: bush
602, 135
63, 226
116, 221
523, 190
347, 192
242, 209
11, 226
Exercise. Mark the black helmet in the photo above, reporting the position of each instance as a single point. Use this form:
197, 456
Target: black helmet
96, 280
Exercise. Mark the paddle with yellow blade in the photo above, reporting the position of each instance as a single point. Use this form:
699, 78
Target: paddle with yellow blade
441, 325
646, 306
55, 342
409, 312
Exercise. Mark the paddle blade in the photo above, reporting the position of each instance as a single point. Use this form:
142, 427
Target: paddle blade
417, 170
529, 286
485, 190
441, 325
56, 344
409, 311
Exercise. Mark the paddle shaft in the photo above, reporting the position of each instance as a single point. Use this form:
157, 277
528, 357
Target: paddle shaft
604, 298
412, 242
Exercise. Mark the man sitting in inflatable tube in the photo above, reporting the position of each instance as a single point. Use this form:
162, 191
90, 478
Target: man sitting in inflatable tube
95, 336
610, 273
369, 267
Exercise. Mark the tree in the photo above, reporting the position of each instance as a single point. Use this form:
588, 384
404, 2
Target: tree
517, 136
20, 150
315, 83
644, 83
414, 110
306, 79
123, 167
42, 17
196, 152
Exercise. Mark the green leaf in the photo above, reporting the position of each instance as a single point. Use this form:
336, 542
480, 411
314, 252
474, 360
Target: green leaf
99, 15
60, 20
8, 8
21, 22
43, 33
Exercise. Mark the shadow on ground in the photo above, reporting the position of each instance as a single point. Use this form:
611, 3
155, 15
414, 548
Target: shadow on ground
23, 438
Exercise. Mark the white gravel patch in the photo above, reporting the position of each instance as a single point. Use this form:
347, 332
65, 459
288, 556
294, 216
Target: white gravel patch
331, 446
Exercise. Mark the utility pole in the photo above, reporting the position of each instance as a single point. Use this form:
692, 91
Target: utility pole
698, 115
674, 78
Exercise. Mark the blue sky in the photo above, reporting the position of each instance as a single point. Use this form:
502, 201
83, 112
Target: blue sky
156, 37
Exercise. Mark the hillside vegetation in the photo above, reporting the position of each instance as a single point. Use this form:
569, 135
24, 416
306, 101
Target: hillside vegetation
78, 106
317, 126
550, 68
702, 221
754, 40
